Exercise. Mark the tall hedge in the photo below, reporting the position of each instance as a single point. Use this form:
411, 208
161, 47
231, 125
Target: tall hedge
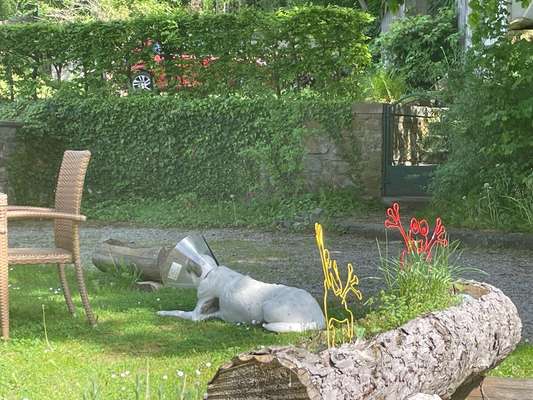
155, 146
274, 51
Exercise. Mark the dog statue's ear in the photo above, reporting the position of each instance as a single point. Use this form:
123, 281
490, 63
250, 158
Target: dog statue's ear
195, 269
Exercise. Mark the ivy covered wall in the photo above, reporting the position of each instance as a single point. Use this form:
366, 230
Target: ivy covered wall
159, 146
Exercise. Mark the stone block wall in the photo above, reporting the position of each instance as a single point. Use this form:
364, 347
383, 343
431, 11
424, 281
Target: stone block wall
325, 164
354, 161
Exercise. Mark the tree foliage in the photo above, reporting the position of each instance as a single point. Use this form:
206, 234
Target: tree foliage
7, 9
488, 178
489, 123
421, 48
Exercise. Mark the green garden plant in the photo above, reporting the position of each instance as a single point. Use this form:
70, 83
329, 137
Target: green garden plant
384, 86
420, 280
486, 181
413, 287
523, 201
488, 130
423, 49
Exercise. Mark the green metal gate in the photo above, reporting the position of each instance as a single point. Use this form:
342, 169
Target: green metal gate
409, 157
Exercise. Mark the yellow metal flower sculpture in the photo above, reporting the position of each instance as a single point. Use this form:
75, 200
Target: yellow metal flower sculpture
333, 284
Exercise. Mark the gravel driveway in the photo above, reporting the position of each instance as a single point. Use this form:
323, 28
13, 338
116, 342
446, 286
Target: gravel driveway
291, 258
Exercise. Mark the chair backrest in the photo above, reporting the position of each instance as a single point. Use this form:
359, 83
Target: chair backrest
69, 191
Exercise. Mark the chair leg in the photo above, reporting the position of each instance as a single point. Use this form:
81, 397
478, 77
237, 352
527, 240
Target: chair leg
65, 288
4, 302
83, 294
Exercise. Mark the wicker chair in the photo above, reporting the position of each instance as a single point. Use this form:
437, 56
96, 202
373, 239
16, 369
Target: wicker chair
67, 217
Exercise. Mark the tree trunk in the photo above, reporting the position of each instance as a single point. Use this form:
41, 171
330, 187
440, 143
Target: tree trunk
432, 354
114, 255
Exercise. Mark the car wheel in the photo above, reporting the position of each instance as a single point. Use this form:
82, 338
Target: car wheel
142, 81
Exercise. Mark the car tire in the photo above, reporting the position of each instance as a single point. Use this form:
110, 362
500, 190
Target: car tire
142, 81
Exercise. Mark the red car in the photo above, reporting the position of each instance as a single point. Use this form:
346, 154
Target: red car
147, 77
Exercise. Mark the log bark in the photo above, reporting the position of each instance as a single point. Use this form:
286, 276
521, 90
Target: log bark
113, 254
433, 354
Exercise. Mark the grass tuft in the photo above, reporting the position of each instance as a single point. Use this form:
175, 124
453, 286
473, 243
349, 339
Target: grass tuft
413, 287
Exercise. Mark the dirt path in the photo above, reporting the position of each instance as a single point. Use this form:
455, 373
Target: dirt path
292, 259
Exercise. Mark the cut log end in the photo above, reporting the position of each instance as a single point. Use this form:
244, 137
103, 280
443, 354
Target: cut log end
261, 376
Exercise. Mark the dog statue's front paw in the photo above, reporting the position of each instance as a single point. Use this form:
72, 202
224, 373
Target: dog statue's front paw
164, 313
177, 314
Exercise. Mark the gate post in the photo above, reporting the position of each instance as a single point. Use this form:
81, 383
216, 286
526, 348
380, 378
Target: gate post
367, 126
7, 145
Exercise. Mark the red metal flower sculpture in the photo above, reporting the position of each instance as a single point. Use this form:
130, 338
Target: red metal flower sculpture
417, 240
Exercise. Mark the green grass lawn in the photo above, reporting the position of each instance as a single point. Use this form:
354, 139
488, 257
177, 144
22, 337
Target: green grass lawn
517, 365
192, 211
132, 351
130, 346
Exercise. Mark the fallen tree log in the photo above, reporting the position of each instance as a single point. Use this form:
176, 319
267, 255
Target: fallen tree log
114, 254
432, 354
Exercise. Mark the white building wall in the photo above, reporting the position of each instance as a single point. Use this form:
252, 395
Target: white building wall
518, 11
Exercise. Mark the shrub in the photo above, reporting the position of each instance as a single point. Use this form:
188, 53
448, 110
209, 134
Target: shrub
489, 131
421, 48
273, 51
152, 146
382, 85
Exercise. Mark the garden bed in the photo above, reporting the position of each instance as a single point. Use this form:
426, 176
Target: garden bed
434, 353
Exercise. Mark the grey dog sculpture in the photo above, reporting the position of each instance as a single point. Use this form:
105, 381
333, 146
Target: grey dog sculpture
234, 297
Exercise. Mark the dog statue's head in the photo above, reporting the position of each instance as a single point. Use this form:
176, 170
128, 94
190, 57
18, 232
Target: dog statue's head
190, 262
197, 272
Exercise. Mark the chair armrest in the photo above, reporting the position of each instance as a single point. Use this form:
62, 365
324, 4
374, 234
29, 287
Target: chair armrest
28, 208
41, 213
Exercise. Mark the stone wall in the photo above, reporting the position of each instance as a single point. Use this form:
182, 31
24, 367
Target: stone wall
7, 144
356, 160
353, 161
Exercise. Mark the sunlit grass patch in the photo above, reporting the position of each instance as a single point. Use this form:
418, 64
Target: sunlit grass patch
131, 351
518, 365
